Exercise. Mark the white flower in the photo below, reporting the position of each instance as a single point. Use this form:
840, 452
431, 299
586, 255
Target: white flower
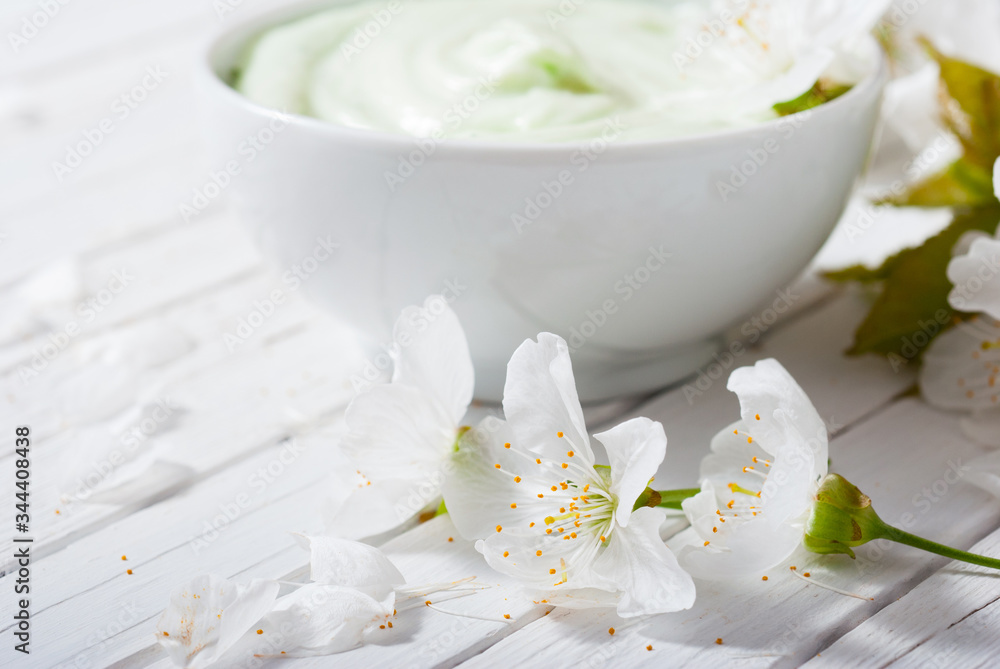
209, 615
402, 435
353, 593
760, 481
215, 622
529, 490
961, 366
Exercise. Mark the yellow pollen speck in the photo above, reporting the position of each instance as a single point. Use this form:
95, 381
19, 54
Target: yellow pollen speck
381, 627
497, 466
507, 445
559, 434
715, 529
749, 440
757, 416
736, 431
549, 520
538, 553
806, 574
649, 647
569, 453
548, 531
586, 487
128, 571
763, 578
166, 634
517, 479
562, 509
540, 495
552, 571
531, 524
611, 631
706, 543
390, 625
604, 539
499, 527
572, 534
124, 558
427, 603
565, 466
793, 567
513, 505
260, 631
451, 538
719, 641
555, 488
538, 461
506, 616
506, 553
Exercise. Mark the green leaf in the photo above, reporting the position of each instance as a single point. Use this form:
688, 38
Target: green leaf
822, 91
974, 117
962, 184
915, 290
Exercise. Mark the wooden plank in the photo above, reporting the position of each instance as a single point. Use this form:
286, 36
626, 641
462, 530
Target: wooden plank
784, 621
818, 334
948, 620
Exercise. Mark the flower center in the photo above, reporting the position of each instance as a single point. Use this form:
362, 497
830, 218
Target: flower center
570, 512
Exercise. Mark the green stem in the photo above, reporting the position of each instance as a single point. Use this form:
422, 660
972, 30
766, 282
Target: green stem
899, 536
664, 499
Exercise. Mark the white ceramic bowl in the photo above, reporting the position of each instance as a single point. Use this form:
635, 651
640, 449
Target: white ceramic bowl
636, 258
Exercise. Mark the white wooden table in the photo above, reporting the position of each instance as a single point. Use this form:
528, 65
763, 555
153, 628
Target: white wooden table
252, 428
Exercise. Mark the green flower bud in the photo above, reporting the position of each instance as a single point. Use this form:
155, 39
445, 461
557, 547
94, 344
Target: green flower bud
841, 518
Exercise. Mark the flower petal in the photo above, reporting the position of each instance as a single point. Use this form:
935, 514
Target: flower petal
635, 451
433, 355
477, 495
786, 415
370, 510
321, 619
974, 275
983, 428
961, 366
747, 549
209, 615
644, 570
397, 432
540, 400
335, 561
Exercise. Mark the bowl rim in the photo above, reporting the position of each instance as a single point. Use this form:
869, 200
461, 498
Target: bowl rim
254, 22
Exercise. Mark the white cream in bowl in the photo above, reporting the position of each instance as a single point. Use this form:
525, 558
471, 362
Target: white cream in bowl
642, 242
531, 70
